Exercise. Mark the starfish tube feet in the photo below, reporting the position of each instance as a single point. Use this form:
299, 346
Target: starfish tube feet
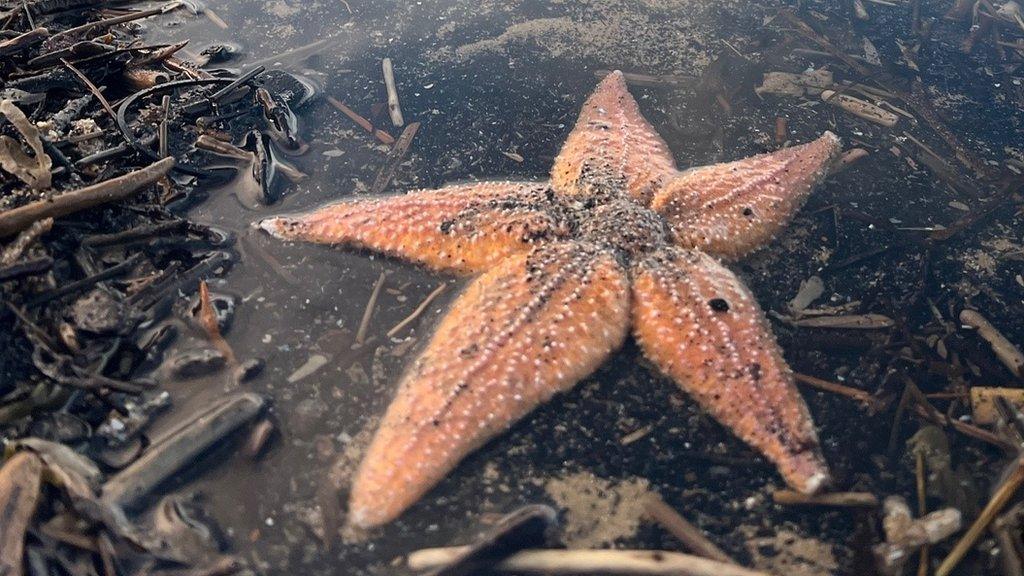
463, 228
612, 147
531, 327
732, 208
697, 322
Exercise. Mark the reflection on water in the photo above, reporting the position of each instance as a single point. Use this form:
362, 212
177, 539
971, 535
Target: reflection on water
496, 87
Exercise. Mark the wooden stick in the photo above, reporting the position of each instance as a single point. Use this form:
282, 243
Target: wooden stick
394, 158
92, 88
848, 391
1003, 495
213, 17
17, 219
691, 536
363, 122
592, 563
34, 36
394, 109
922, 509
364, 324
1008, 354
840, 499
417, 312
108, 22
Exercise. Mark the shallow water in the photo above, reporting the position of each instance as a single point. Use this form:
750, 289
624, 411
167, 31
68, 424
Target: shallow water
486, 79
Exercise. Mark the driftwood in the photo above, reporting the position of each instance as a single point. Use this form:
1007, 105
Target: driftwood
18, 219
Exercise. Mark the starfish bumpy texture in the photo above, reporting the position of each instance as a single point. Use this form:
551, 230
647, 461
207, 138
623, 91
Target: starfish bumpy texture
617, 241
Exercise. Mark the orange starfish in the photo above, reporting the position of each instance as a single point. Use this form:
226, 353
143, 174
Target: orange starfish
617, 239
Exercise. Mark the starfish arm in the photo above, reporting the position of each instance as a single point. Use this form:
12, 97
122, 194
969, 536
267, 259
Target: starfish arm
612, 146
732, 208
697, 322
463, 228
529, 328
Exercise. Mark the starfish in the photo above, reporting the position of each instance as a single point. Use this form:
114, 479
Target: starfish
617, 240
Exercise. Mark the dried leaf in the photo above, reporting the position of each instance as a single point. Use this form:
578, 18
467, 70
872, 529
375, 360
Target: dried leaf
32, 170
20, 480
208, 319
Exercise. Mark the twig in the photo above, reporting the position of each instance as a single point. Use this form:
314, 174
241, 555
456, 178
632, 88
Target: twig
213, 17
394, 109
840, 499
133, 234
26, 268
417, 312
13, 251
592, 562
34, 36
683, 530
922, 509
364, 324
1002, 495
394, 158
848, 391
363, 122
17, 219
112, 272
165, 105
1008, 354
92, 88
113, 21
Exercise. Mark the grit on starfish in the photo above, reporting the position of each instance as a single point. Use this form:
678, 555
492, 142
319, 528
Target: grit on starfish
617, 240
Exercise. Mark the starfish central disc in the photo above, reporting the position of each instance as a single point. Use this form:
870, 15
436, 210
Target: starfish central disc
618, 241
625, 227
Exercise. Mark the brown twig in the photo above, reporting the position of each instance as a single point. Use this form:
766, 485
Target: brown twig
1002, 496
417, 312
682, 529
835, 388
839, 499
364, 323
92, 88
394, 158
18, 219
